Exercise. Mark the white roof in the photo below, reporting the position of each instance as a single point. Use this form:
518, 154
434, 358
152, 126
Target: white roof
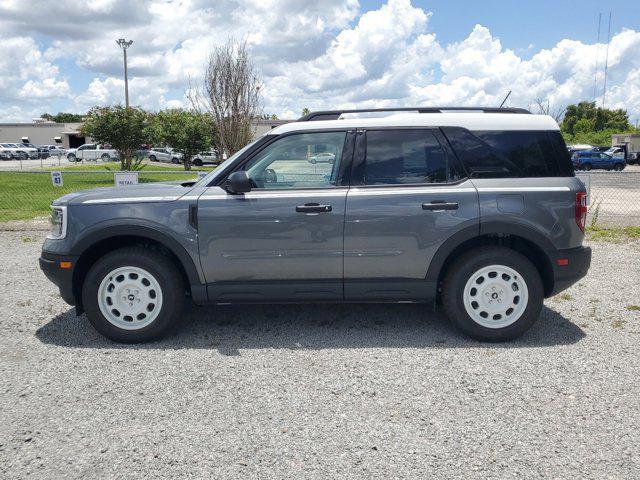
472, 121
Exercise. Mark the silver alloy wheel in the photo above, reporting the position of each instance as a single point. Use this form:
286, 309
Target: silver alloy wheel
130, 298
495, 296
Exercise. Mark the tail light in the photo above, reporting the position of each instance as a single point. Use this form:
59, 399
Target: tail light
581, 209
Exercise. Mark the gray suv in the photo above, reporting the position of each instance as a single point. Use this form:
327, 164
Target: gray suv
478, 209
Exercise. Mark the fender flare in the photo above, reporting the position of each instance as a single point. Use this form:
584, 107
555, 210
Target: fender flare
485, 228
104, 232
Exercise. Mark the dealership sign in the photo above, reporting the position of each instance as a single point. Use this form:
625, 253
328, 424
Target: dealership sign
122, 179
56, 179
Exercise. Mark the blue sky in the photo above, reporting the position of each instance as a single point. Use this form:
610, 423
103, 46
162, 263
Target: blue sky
518, 24
335, 53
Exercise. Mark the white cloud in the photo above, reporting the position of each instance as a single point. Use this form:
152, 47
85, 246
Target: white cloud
45, 89
311, 54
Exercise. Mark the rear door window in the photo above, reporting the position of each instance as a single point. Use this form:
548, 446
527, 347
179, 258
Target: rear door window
500, 154
399, 157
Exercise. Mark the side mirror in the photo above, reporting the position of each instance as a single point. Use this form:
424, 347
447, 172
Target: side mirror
239, 182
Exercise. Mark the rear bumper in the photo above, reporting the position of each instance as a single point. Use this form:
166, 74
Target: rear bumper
578, 261
62, 278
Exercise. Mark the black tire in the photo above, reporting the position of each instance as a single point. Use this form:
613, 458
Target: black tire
105, 157
164, 271
618, 167
175, 160
152, 158
71, 157
462, 270
586, 167
197, 162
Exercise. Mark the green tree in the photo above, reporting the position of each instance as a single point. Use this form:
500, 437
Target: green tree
587, 123
187, 132
63, 117
305, 111
124, 128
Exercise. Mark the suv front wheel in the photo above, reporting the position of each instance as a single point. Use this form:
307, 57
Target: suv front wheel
493, 293
133, 295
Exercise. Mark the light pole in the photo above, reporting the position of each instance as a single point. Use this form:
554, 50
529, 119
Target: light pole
122, 43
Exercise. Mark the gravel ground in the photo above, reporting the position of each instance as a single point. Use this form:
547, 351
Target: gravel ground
386, 391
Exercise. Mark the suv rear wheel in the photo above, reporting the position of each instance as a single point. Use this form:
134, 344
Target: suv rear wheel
133, 295
493, 293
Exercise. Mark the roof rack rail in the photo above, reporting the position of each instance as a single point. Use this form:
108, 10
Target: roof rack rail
335, 114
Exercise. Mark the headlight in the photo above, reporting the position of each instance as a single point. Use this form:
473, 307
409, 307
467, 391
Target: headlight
58, 223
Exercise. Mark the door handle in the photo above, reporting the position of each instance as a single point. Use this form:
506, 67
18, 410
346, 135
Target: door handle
313, 208
440, 205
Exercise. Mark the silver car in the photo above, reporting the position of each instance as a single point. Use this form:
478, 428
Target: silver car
165, 155
206, 158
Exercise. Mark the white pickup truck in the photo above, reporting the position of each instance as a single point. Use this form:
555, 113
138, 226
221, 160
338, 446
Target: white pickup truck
91, 151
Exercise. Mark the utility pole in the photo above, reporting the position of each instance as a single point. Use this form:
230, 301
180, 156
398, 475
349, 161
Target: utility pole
122, 43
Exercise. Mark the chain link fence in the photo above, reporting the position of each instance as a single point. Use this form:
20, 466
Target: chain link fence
614, 197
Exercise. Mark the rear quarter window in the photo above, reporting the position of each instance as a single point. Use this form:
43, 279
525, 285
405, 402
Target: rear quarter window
505, 154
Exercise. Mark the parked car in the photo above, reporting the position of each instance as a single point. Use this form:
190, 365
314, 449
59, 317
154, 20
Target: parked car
206, 158
479, 210
591, 159
4, 155
27, 151
55, 150
166, 155
42, 152
18, 151
324, 157
579, 148
92, 151
617, 152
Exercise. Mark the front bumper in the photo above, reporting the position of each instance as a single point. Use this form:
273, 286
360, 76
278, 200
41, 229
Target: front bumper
61, 277
569, 266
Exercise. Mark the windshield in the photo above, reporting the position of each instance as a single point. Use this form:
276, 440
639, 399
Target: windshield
204, 181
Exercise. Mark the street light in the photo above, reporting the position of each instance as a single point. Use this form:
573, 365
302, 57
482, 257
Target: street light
123, 44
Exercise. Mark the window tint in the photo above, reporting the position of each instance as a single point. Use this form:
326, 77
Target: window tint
307, 160
405, 157
497, 154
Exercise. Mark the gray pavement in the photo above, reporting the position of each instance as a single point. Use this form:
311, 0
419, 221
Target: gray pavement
343, 391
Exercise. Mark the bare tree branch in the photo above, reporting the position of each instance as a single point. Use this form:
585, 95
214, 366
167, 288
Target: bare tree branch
545, 109
231, 93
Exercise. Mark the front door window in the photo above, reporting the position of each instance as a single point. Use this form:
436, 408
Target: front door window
305, 160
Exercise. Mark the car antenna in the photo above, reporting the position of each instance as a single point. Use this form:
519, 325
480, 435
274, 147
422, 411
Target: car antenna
505, 99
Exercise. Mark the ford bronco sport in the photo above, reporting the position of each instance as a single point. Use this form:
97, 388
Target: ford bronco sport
478, 209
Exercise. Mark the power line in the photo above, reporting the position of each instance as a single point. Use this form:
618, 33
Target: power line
595, 75
606, 64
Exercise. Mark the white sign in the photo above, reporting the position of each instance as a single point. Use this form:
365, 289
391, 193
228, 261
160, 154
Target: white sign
123, 179
201, 175
56, 179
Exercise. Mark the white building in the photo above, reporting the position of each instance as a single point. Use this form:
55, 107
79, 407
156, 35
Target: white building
68, 134
42, 133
